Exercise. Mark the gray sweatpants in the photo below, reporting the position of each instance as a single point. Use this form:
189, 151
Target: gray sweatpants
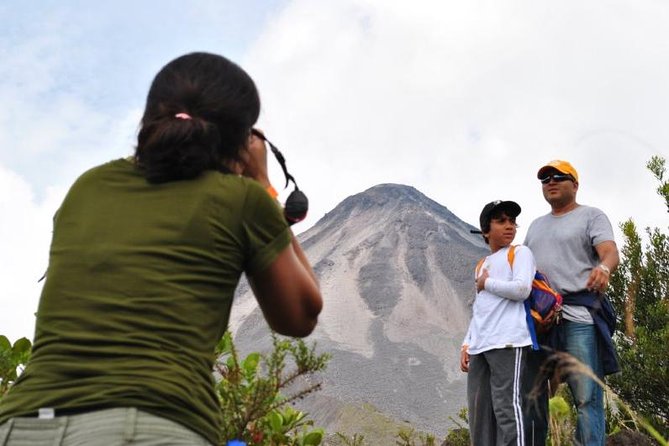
109, 427
494, 394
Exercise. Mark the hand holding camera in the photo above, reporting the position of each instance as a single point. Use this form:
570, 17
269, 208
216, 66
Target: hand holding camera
297, 204
253, 163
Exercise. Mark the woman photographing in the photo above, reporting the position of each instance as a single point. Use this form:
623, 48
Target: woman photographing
146, 254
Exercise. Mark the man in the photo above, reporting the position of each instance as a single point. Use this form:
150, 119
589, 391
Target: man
574, 246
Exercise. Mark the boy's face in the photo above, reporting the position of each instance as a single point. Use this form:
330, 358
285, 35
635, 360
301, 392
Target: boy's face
502, 231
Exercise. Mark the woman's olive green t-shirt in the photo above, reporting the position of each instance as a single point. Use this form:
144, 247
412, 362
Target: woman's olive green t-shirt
138, 292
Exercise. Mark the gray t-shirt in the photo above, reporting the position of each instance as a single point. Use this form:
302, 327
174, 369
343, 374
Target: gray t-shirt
564, 249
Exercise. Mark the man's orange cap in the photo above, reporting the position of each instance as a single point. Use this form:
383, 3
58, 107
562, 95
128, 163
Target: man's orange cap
559, 165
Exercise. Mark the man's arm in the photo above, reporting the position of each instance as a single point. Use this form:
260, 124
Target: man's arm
608, 261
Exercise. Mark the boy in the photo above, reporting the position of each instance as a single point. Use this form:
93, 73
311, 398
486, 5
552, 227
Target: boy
495, 348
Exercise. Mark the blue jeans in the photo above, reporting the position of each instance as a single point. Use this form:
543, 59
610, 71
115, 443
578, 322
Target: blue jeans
581, 342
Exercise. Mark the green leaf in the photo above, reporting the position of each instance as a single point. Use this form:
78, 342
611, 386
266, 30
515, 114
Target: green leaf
225, 344
12, 375
22, 345
250, 364
314, 438
292, 417
276, 421
558, 407
4, 343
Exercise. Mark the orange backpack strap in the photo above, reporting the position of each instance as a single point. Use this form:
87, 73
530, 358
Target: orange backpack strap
511, 255
478, 266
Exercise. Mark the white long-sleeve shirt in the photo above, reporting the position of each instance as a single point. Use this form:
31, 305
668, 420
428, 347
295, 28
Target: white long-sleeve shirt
498, 316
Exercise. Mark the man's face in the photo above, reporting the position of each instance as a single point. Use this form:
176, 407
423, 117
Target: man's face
560, 189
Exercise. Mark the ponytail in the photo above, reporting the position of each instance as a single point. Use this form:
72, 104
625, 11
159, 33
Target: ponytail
172, 149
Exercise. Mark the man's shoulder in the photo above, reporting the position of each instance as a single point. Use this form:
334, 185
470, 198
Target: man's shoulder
580, 212
540, 221
541, 218
590, 210
588, 216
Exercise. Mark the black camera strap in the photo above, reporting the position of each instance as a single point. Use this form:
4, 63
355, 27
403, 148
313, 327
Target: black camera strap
279, 157
297, 203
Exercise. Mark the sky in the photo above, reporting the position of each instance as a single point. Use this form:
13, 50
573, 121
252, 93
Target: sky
462, 100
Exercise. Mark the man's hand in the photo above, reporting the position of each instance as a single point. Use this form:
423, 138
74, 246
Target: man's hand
598, 280
464, 359
600, 275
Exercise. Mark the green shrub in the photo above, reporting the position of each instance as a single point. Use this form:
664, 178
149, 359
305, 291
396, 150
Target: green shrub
250, 392
459, 436
12, 359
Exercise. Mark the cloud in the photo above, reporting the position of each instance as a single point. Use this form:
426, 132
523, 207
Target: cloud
466, 100
72, 85
52, 128
462, 100
25, 234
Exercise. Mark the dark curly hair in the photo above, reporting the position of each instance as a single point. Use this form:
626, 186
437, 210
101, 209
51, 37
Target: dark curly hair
222, 102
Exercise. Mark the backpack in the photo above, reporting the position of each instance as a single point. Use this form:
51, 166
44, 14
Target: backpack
543, 307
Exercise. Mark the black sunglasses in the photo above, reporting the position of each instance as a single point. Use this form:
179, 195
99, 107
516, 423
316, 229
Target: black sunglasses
557, 177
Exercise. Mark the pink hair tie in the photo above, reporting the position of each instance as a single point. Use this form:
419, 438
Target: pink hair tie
184, 116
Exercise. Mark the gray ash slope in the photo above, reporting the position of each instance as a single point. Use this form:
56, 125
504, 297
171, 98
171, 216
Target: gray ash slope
395, 270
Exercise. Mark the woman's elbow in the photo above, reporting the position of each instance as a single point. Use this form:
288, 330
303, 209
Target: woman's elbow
302, 330
312, 308
302, 321
296, 328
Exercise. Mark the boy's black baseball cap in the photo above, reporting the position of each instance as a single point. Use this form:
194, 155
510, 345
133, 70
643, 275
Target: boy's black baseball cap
510, 208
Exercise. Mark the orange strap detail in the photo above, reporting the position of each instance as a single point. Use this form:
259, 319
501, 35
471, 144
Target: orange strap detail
478, 266
511, 255
271, 191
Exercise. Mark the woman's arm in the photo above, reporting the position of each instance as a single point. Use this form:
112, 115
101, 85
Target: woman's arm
287, 290
288, 293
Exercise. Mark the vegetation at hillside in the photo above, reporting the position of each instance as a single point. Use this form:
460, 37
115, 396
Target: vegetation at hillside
640, 293
251, 390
